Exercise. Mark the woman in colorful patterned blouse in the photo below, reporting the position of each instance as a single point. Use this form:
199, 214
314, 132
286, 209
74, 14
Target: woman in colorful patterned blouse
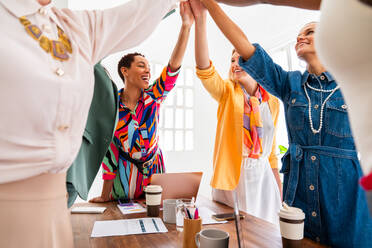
245, 163
134, 154
321, 168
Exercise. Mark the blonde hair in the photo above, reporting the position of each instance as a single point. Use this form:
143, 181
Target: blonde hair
315, 22
230, 73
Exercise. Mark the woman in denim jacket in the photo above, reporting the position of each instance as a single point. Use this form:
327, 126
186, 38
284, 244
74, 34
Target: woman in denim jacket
321, 168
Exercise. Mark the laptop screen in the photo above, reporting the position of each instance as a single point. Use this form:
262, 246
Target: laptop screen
187, 184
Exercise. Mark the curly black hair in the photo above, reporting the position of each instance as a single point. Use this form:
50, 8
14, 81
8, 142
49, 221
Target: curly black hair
126, 61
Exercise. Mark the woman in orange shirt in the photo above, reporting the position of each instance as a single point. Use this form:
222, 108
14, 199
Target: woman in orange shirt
245, 137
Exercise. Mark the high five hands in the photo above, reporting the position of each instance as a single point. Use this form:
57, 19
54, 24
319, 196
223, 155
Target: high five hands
186, 14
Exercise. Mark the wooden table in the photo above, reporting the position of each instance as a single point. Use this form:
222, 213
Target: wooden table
257, 232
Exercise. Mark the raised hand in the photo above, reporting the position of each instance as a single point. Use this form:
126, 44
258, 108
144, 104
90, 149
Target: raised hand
186, 14
198, 9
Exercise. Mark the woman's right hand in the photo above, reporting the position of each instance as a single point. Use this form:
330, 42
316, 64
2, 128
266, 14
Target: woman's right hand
186, 14
198, 9
99, 199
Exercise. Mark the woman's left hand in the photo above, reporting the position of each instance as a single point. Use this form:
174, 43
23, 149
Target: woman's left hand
186, 14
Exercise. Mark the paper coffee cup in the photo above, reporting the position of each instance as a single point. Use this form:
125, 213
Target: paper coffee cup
153, 200
291, 221
153, 195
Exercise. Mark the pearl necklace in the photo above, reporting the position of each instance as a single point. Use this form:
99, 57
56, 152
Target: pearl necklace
315, 131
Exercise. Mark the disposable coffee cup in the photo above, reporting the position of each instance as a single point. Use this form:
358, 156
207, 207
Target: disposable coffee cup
153, 200
291, 222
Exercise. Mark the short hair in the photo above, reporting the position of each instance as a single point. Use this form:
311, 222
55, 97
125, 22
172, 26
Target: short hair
126, 61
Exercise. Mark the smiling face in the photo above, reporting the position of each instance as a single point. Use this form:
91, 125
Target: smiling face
138, 74
305, 41
237, 74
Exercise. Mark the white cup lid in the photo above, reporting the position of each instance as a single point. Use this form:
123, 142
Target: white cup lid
153, 189
291, 213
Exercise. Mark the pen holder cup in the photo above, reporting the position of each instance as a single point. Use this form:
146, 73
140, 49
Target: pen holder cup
190, 228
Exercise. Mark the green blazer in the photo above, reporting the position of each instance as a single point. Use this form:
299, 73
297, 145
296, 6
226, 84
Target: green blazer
99, 131
97, 136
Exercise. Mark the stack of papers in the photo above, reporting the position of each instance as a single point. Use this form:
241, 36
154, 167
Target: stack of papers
128, 227
132, 209
88, 210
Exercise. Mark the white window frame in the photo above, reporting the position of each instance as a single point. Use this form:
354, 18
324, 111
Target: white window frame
186, 74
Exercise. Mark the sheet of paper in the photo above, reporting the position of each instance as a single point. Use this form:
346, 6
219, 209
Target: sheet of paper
135, 208
206, 215
128, 227
88, 210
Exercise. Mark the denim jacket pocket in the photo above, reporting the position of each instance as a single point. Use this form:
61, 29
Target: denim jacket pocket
285, 163
337, 120
286, 160
297, 105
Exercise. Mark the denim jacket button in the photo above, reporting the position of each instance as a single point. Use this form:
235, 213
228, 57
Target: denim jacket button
316, 106
344, 106
311, 187
293, 100
313, 214
322, 77
313, 158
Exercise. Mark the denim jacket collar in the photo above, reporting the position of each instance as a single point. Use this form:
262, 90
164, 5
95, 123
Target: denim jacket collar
306, 75
328, 76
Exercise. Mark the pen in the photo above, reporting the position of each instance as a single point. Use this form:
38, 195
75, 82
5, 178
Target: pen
196, 215
187, 213
184, 212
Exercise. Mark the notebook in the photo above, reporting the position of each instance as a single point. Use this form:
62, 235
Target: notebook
88, 210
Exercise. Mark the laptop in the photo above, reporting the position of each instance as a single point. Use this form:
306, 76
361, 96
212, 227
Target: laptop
178, 185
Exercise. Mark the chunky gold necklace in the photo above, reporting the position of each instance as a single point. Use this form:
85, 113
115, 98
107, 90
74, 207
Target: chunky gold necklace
57, 48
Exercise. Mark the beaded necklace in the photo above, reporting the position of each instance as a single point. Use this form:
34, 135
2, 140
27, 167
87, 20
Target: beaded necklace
57, 48
315, 131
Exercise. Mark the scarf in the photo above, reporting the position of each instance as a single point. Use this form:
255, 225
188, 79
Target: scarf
252, 122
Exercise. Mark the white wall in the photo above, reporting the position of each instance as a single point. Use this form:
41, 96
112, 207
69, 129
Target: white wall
61, 3
270, 26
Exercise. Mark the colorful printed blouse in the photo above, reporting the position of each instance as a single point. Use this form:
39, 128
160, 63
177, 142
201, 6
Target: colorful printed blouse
137, 135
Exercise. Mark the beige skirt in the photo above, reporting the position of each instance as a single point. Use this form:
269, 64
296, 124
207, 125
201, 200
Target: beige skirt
33, 213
